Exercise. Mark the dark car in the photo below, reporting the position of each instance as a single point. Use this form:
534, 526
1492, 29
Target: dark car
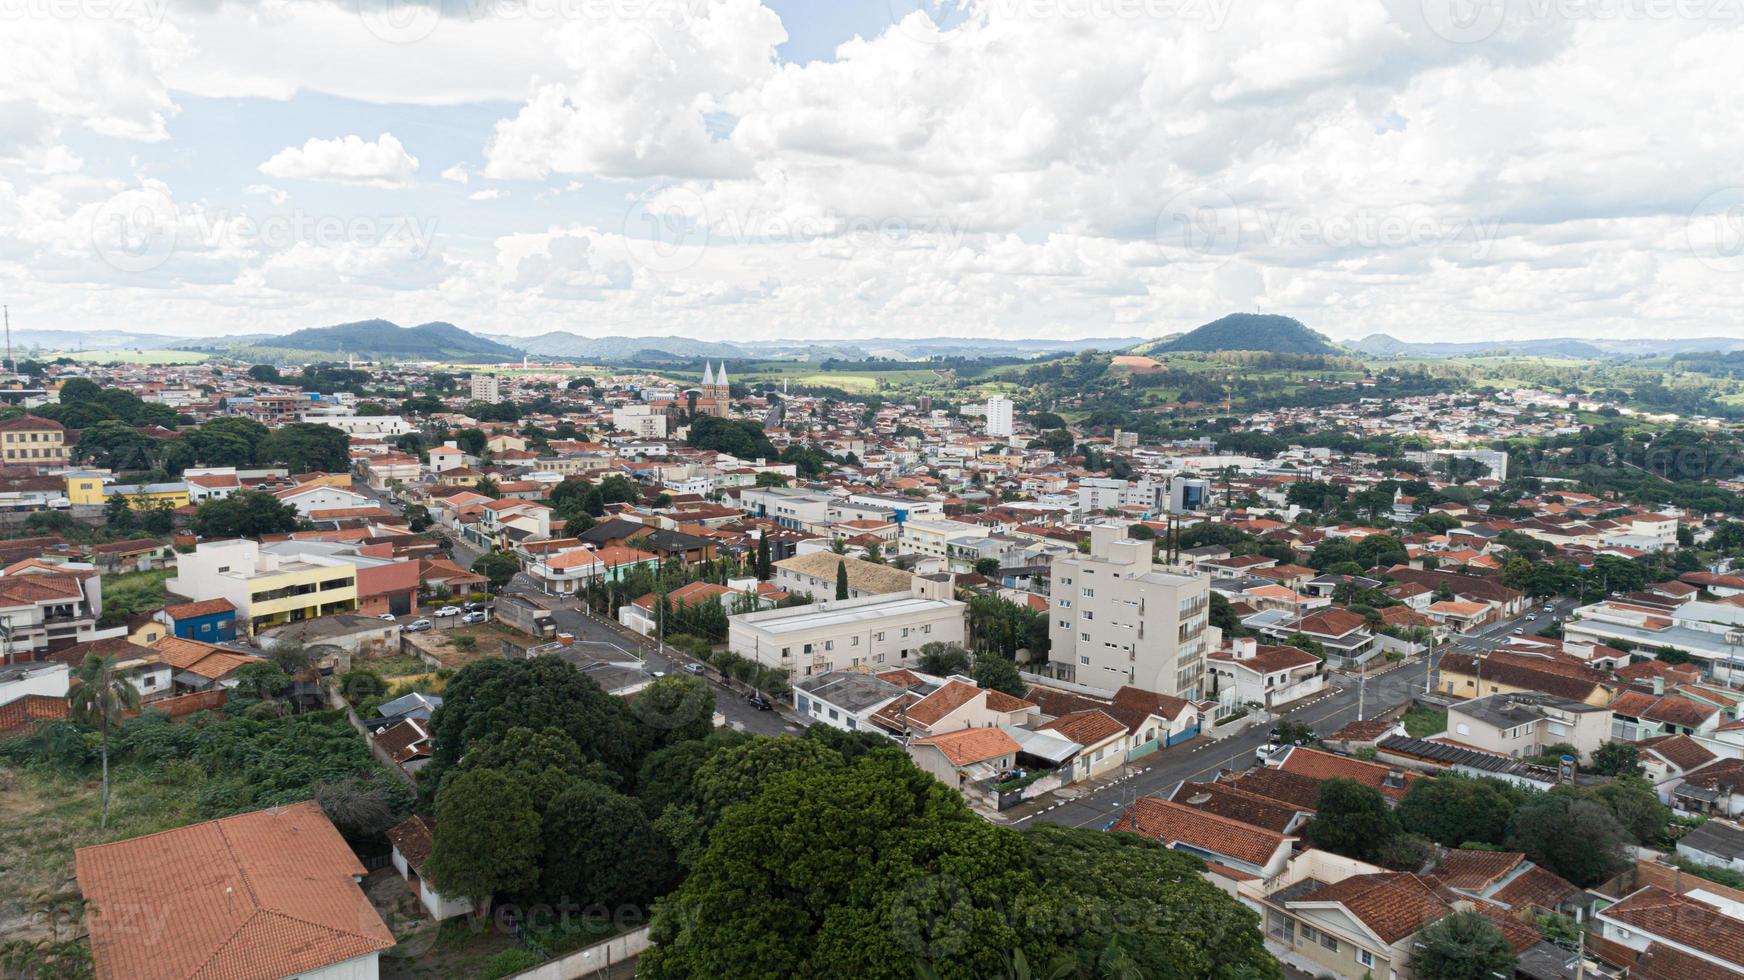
759, 702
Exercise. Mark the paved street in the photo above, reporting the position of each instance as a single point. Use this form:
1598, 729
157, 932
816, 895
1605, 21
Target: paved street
1202, 759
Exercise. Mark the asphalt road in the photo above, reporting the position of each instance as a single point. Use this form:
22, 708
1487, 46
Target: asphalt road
1203, 759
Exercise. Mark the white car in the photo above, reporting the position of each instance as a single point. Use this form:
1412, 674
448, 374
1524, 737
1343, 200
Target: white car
448, 611
388, 617
417, 626
476, 616
1531, 617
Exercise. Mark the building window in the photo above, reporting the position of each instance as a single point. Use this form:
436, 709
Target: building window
1329, 942
1365, 958
1310, 934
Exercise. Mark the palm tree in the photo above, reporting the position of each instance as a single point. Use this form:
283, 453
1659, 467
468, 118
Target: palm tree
839, 546
100, 699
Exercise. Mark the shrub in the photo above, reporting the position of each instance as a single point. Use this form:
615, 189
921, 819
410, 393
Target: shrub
510, 962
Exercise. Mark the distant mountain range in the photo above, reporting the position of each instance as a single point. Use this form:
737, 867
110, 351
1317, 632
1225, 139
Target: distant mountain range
1248, 331
1384, 345
382, 338
445, 341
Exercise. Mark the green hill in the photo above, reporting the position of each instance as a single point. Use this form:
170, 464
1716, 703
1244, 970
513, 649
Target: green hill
1251, 331
383, 339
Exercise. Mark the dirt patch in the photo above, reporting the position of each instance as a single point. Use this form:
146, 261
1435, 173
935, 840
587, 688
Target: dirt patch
487, 642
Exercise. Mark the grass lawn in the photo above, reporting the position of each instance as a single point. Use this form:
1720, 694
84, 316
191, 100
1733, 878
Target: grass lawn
43, 817
1423, 722
136, 591
131, 356
396, 666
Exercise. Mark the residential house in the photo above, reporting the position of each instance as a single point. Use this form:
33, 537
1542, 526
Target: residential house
210, 620
1716, 843
815, 575
966, 759
878, 630
1233, 851
1651, 920
413, 839
1247, 673
46, 607
1522, 725
262, 895
267, 587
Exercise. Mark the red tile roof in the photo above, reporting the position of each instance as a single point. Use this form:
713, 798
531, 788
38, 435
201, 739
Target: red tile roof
967, 746
1172, 823
1682, 920
1324, 765
1391, 905
256, 896
1087, 728
205, 607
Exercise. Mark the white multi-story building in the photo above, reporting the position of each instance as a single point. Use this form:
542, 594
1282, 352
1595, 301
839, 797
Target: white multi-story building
365, 425
999, 417
1114, 620
1097, 494
871, 632
643, 421
487, 388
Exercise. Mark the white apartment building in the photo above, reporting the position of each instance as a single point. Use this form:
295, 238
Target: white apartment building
487, 388
1114, 620
798, 509
935, 538
642, 421
365, 425
1097, 494
1000, 424
871, 632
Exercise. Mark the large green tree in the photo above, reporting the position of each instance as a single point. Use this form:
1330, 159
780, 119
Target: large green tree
1454, 810
307, 447
1462, 946
1578, 839
598, 848
489, 697
1352, 819
246, 514
487, 837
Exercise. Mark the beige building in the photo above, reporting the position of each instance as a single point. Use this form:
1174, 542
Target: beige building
31, 441
1115, 620
1522, 725
814, 575
875, 631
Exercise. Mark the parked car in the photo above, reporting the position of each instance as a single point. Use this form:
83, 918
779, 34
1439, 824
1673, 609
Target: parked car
448, 611
697, 669
657, 674
475, 606
1518, 630
759, 702
386, 616
1532, 617
1264, 752
476, 616
418, 626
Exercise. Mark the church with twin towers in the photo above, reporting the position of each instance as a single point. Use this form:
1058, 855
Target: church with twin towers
716, 396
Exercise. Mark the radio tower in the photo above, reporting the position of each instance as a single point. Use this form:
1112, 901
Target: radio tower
6, 313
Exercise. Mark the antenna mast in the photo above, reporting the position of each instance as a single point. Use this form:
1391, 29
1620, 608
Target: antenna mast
6, 312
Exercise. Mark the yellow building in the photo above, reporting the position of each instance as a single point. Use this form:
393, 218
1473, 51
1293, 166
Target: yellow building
88, 489
299, 590
268, 588
31, 441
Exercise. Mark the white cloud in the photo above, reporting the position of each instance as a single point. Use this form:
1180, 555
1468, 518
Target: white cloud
349, 160
488, 194
456, 173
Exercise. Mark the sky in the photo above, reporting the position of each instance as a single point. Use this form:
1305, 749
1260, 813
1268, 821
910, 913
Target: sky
1438, 170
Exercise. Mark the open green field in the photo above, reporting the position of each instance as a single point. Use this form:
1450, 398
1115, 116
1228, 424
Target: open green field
129, 356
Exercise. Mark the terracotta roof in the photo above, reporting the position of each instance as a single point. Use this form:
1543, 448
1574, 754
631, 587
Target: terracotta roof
1519, 935
967, 746
1680, 750
1001, 701
1392, 905
1173, 823
1475, 870
1228, 800
262, 895
1682, 920
1295, 789
935, 706
1268, 659
1324, 765
1087, 728
25, 589
205, 607
414, 837
29, 709
1527, 673
204, 659
1662, 962
1536, 888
